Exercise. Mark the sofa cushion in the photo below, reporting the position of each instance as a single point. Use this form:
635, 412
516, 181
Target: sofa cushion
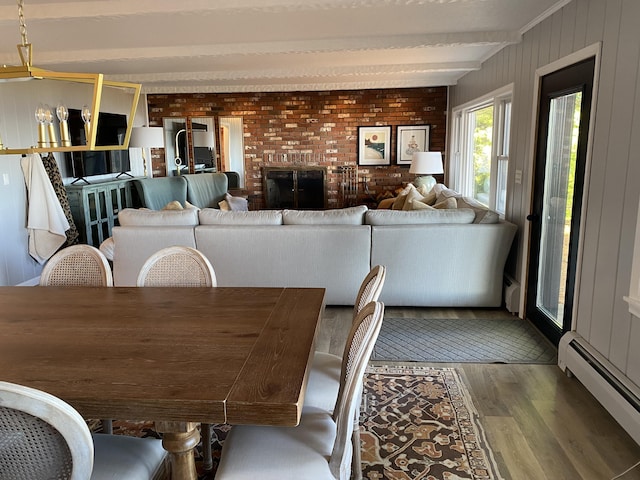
483, 214
419, 217
155, 193
341, 216
206, 190
212, 216
144, 217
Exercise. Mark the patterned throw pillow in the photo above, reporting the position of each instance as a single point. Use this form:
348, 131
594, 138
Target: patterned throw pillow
483, 214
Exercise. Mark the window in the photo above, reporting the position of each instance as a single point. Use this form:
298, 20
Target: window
480, 141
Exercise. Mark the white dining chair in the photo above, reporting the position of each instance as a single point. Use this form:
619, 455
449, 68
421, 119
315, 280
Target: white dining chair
324, 378
177, 266
43, 437
77, 265
319, 446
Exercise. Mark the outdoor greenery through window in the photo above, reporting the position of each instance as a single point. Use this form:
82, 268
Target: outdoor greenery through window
480, 144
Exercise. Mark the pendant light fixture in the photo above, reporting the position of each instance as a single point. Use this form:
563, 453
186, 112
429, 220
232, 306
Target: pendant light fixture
82, 91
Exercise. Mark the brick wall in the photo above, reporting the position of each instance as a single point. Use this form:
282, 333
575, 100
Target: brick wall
310, 123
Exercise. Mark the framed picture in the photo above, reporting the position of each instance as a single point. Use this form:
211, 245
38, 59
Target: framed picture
411, 139
374, 146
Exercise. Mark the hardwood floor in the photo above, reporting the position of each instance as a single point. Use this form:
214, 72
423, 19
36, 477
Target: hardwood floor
540, 424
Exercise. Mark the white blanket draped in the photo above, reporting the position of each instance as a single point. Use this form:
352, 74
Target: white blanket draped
46, 221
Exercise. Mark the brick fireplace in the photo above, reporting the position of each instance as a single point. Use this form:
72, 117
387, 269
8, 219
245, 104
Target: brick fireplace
319, 126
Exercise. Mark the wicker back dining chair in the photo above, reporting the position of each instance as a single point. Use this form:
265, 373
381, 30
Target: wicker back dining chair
77, 265
370, 288
177, 266
44, 437
319, 446
324, 378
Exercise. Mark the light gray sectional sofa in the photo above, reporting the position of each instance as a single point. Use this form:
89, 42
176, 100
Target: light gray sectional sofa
433, 257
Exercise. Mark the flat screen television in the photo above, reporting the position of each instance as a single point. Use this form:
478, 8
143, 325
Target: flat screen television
112, 128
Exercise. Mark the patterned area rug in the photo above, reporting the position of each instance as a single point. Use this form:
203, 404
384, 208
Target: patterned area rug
416, 423
420, 423
453, 340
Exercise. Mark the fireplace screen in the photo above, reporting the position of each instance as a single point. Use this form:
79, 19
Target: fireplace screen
295, 187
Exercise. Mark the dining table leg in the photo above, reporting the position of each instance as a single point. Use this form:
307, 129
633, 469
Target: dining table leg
179, 439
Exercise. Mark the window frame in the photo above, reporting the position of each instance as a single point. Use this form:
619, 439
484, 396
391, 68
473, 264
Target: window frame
461, 166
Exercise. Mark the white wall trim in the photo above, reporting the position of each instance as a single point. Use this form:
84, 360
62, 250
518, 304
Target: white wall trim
498, 92
634, 285
593, 50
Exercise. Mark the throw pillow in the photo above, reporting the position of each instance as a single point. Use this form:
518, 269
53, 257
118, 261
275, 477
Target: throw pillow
483, 214
402, 197
429, 198
237, 204
175, 205
224, 206
419, 205
413, 194
447, 203
387, 203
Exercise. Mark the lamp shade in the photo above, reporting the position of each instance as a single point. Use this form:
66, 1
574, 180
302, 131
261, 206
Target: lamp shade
426, 163
147, 137
202, 138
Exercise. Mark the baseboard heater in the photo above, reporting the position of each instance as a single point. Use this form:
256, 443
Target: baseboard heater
618, 395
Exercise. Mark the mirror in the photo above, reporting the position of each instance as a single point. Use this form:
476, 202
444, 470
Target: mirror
190, 145
232, 146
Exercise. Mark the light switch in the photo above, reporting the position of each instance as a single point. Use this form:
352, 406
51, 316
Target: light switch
5, 179
518, 178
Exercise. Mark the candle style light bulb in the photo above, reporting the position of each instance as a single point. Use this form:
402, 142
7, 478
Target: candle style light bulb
86, 118
63, 115
41, 118
48, 120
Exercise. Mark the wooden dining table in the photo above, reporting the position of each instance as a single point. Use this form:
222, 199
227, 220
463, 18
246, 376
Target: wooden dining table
177, 356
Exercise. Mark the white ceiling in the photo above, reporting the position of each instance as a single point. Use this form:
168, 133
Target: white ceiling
269, 45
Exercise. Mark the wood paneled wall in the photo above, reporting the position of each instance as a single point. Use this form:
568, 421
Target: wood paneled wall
602, 316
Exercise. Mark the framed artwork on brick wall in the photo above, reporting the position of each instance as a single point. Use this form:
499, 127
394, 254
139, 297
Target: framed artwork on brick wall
411, 139
374, 146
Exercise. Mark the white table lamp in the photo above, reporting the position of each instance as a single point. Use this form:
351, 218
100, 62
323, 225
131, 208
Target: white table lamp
146, 137
426, 164
202, 138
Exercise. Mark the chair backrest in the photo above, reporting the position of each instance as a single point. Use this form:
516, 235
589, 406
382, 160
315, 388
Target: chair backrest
370, 288
177, 266
77, 265
357, 352
155, 193
206, 190
42, 436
